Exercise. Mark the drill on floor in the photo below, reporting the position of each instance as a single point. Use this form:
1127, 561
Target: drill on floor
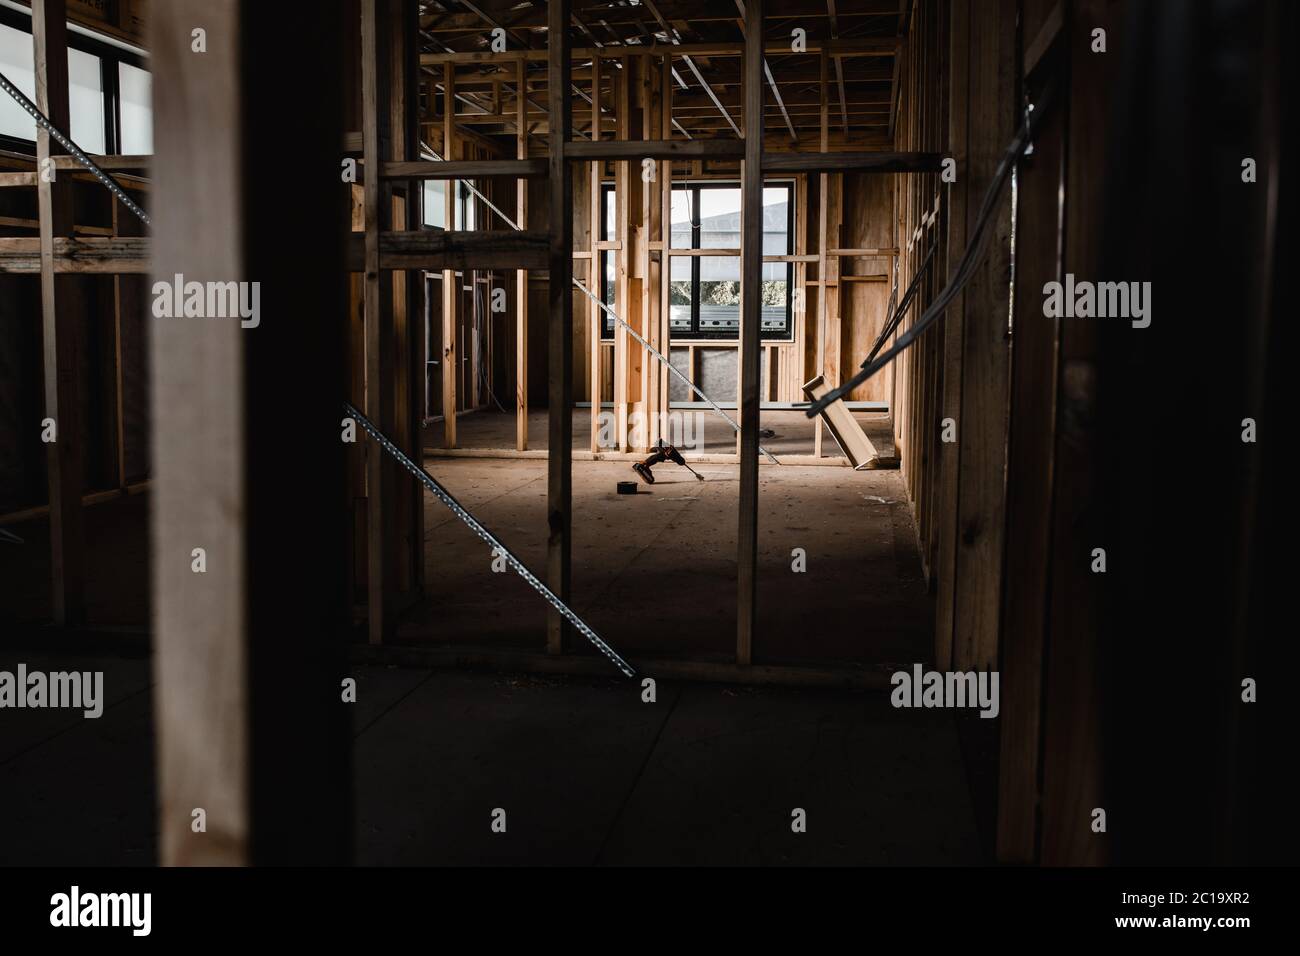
662, 453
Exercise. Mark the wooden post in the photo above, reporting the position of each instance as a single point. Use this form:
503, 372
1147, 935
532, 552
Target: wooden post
751, 273
665, 236
378, 327
622, 299
521, 275
594, 272
62, 307
405, 287
648, 367
823, 183
950, 452
248, 654
982, 427
1030, 475
450, 292
559, 455
119, 425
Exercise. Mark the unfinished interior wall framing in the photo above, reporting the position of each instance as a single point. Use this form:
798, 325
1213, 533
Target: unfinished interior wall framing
537, 202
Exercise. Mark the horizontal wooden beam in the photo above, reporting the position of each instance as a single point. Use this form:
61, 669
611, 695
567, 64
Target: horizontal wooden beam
655, 149
469, 169
121, 255
862, 253
438, 251
852, 162
20, 222
867, 46
89, 498
104, 162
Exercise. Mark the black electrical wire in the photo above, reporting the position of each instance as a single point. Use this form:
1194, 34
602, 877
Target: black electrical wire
898, 313
969, 260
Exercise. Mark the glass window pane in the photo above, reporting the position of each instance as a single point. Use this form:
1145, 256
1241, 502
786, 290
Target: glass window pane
775, 287
719, 219
719, 293
680, 233
86, 101
466, 207
16, 63
679, 294
136, 99
435, 202
610, 225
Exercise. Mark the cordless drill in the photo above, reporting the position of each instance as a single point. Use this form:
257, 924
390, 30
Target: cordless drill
662, 453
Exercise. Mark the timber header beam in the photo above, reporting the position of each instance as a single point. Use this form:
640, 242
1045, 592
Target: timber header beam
469, 169
582, 151
852, 162
96, 255
867, 46
463, 251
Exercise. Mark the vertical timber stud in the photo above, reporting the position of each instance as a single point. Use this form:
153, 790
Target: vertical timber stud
62, 308
377, 304
450, 288
623, 225
751, 268
982, 428
408, 288
594, 269
665, 236
823, 187
521, 275
946, 492
559, 455
248, 654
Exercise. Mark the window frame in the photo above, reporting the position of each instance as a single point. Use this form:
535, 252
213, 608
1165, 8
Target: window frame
695, 333
109, 58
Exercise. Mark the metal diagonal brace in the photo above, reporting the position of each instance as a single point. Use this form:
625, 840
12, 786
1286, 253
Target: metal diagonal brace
73, 149
443, 495
669, 365
631, 331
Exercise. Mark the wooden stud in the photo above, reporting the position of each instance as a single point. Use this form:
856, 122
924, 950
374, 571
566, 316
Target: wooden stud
665, 232
983, 422
559, 472
1030, 465
62, 305
377, 298
622, 296
450, 290
521, 275
823, 241
595, 277
751, 273
248, 654
953, 326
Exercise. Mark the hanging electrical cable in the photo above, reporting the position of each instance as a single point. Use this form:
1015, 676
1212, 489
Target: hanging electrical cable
896, 314
971, 258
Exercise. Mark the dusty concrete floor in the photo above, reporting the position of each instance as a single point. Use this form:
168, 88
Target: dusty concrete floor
585, 771
656, 572
794, 431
